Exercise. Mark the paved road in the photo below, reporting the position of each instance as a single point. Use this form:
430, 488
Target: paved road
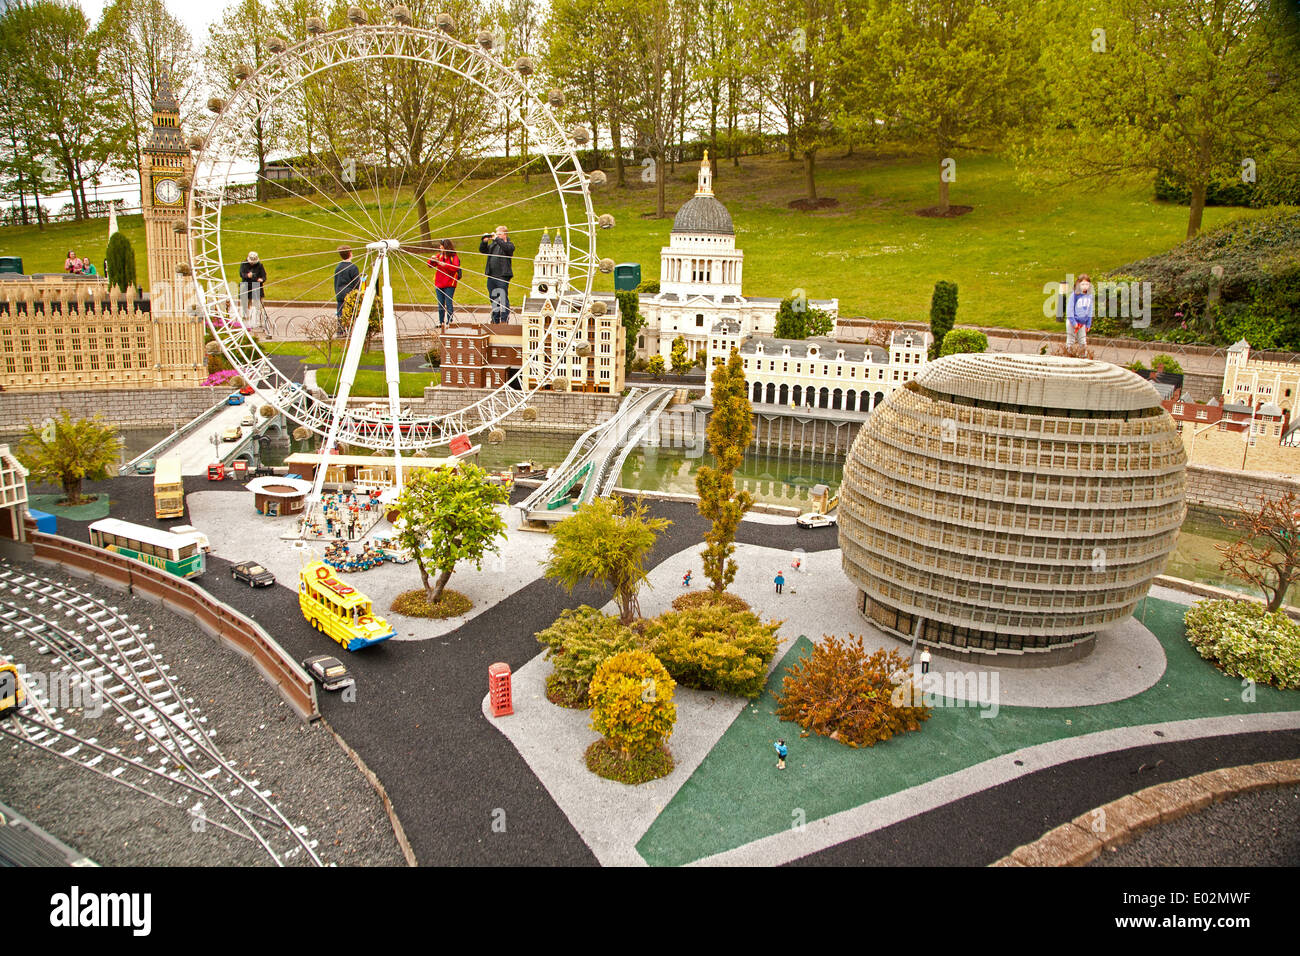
196, 451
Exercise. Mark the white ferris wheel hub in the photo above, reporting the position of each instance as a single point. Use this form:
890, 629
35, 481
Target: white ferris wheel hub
384, 246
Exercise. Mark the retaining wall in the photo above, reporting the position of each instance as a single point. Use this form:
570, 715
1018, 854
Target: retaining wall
556, 411
162, 406
1226, 489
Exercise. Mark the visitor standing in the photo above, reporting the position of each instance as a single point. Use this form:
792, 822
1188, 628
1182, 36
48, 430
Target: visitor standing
779, 581
446, 279
1079, 310
782, 751
499, 271
252, 279
346, 278
925, 660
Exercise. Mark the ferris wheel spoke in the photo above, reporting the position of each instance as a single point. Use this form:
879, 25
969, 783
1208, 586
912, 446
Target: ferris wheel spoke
315, 225
487, 185
338, 211
280, 283
500, 208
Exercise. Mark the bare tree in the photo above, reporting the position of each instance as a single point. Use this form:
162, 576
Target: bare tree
1267, 555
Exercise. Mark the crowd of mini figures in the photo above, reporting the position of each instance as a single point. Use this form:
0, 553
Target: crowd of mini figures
339, 556
344, 515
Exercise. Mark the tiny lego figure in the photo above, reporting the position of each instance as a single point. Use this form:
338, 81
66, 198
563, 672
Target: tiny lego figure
779, 581
686, 579
781, 752
925, 660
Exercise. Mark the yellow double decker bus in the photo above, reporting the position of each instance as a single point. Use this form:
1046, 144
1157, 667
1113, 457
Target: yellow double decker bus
338, 609
168, 489
12, 693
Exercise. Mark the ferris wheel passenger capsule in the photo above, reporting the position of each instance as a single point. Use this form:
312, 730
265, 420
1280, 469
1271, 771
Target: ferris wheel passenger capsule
555, 98
195, 143
216, 104
401, 14
315, 26
357, 16
446, 23
606, 221
598, 307
485, 39
277, 45
524, 66
580, 135
596, 177
243, 71
606, 265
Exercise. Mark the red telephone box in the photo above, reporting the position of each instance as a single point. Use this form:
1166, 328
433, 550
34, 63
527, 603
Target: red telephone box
499, 692
240, 466
217, 472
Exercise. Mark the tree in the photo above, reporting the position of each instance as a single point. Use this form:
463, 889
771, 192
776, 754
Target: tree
324, 335
943, 312
681, 362
795, 319
964, 340
956, 75
240, 38
629, 312
67, 451
656, 366
142, 41
449, 515
120, 262
351, 304
1189, 88
841, 692
730, 430
632, 703
606, 544
1267, 555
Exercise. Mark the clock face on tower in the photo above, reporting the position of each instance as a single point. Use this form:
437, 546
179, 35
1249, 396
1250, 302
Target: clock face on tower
167, 191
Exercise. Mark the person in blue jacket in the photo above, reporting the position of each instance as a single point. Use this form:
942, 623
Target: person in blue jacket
781, 752
1080, 307
779, 581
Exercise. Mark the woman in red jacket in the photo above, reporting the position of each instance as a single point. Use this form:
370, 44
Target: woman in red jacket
447, 278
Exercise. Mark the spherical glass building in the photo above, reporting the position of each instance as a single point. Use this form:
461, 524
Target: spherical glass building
1011, 505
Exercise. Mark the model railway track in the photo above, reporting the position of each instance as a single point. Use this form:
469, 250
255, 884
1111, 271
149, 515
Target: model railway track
96, 644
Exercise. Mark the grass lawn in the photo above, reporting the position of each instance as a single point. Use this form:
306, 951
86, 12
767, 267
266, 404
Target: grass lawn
371, 383
737, 795
310, 354
870, 251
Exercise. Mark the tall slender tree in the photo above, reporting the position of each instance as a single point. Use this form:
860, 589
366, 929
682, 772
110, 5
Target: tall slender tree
730, 430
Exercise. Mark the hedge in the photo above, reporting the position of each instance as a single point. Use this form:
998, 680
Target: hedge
1247, 641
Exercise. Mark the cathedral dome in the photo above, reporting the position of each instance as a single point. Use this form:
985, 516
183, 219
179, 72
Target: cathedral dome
704, 214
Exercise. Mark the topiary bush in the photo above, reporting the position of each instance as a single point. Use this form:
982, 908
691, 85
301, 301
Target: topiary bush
697, 599
842, 692
963, 340
943, 312
1167, 364
632, 703
577, 643
714, 648
1247, 641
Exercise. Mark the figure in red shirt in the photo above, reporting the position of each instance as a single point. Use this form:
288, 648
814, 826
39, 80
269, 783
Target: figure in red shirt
445, 281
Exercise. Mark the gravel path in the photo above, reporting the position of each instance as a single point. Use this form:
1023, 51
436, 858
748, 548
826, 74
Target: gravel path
1253, 829
312, 780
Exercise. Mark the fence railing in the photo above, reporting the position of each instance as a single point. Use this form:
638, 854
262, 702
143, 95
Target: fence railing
233, 629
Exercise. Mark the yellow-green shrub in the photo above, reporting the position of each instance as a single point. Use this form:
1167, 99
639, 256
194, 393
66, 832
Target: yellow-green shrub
714, 648
632, 703
577, 643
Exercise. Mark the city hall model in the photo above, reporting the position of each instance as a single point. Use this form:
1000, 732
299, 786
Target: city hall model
1011, 505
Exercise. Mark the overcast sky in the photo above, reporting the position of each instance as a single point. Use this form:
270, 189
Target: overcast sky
196, 14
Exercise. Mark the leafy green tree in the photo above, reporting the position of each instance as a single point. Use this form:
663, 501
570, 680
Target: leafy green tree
449, 515
943, 312
656, 366
795, 319
1192, 88
681, 362
68, 451
120, 259
964, 340
632, 703
955, 75
629, 313
606, 544
730, 430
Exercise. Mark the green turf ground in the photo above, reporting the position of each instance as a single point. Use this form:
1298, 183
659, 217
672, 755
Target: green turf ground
871, 251
371, 383
90, 511
310, 354
737, 795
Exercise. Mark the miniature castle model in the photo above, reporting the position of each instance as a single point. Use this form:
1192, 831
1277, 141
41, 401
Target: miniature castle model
1011, 505
596, 340
59, 331
820, 372
700, 274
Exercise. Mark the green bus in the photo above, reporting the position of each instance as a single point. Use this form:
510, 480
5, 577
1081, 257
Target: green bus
170, 552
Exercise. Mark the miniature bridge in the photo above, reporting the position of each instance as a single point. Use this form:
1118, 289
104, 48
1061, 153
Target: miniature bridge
592, 468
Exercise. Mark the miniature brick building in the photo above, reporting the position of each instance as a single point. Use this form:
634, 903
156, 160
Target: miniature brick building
1011, 505
481, 356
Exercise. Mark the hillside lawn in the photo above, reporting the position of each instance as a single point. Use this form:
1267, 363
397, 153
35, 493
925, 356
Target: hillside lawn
871, 251
371, 383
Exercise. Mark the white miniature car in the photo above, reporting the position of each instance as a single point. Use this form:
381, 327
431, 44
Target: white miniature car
815, 519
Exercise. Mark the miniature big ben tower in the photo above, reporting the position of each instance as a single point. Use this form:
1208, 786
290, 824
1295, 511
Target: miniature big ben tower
166, 172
